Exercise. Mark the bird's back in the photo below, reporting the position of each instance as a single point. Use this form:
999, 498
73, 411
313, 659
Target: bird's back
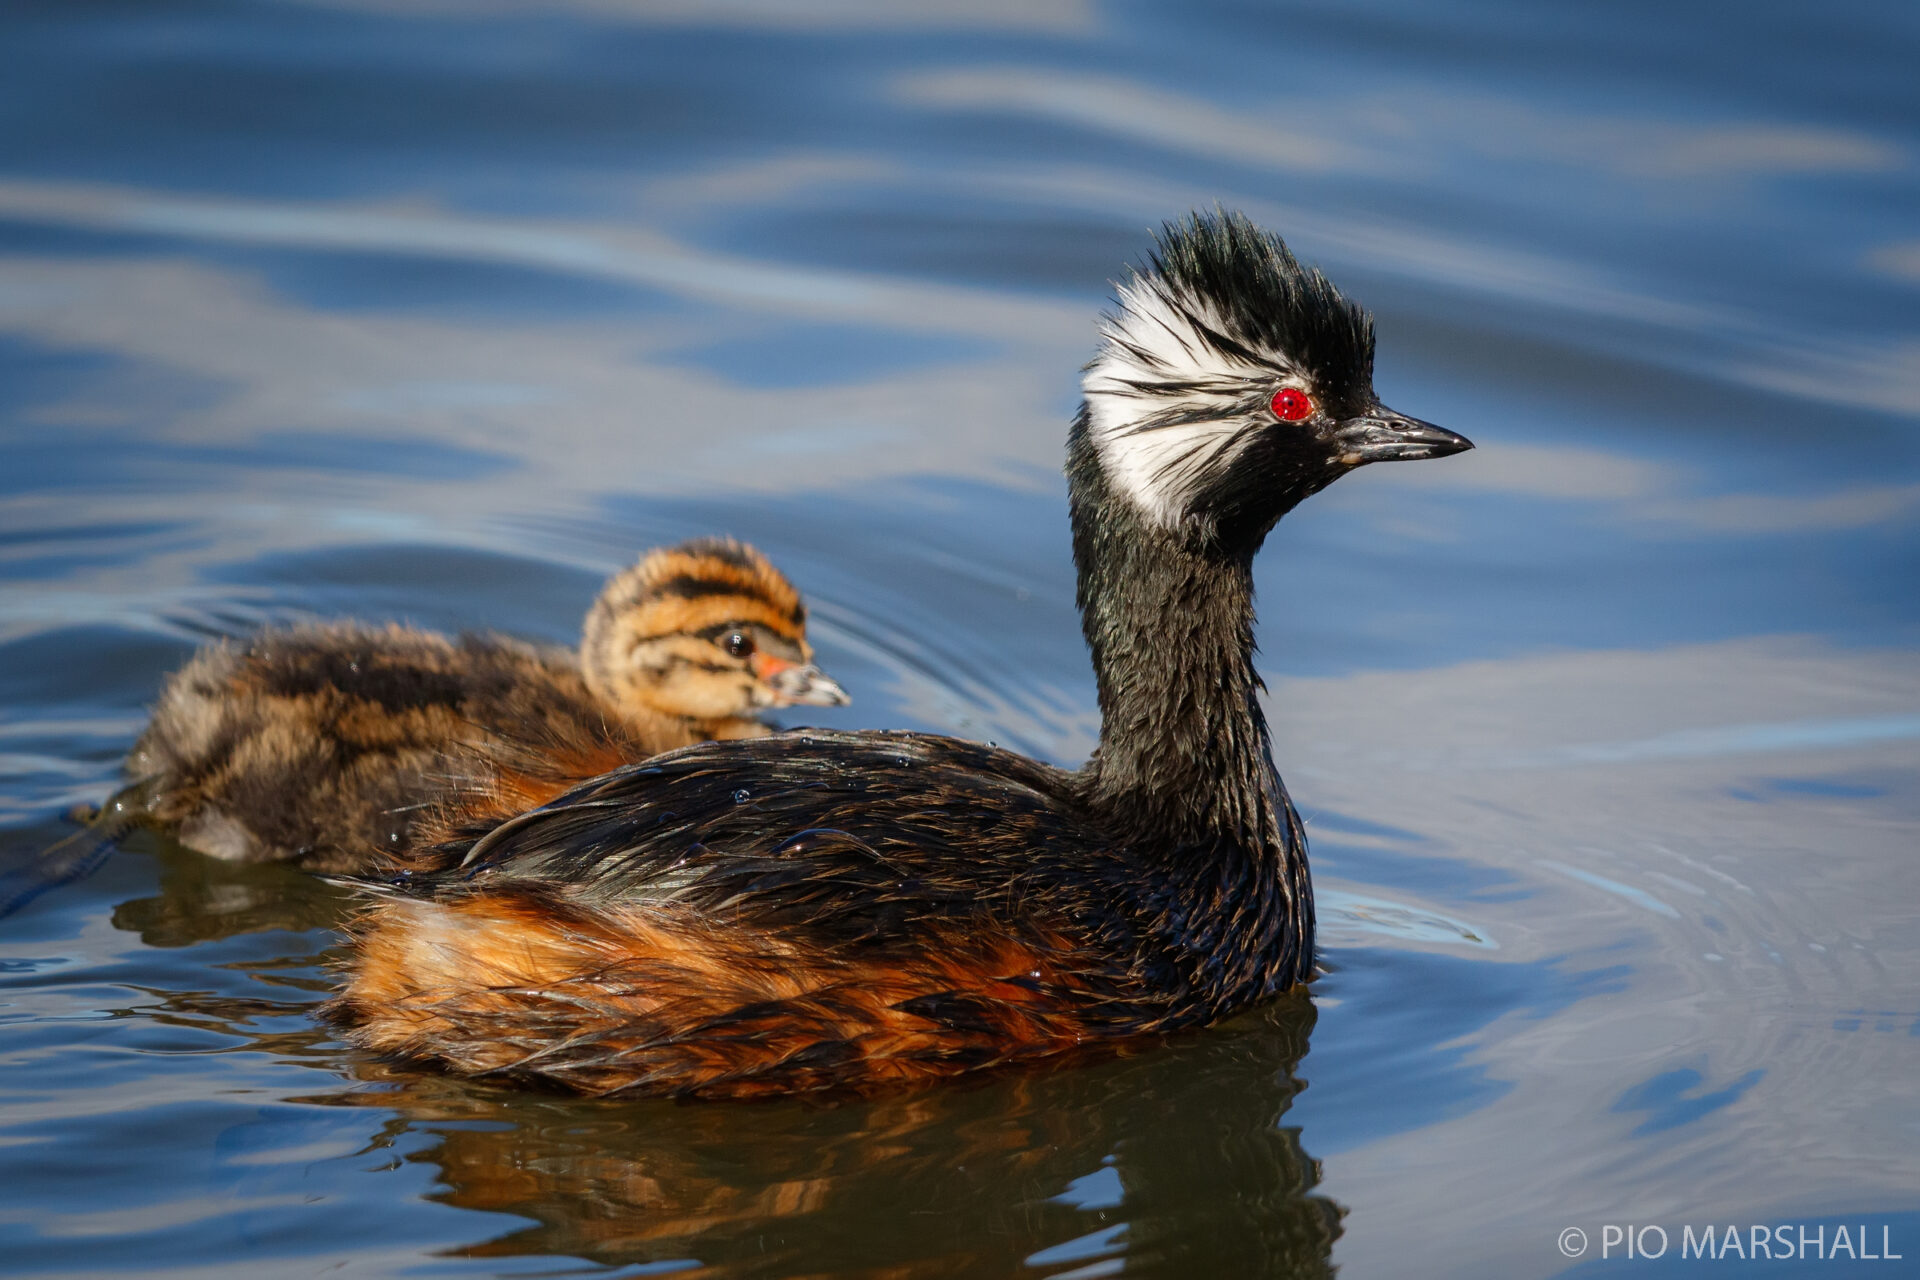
804, 910
812, 909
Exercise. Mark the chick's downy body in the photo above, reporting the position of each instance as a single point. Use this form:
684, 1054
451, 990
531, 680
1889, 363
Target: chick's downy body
333, 745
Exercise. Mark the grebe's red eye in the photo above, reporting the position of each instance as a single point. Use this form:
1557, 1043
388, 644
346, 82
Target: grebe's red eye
1290, 404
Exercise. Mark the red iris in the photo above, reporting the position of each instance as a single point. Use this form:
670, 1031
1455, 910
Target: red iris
1290, 404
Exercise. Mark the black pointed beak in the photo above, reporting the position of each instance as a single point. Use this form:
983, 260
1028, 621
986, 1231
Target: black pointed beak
1381, 435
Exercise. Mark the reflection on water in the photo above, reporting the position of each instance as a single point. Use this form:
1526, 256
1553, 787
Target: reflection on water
1606, 733
202, 898
1056, 1170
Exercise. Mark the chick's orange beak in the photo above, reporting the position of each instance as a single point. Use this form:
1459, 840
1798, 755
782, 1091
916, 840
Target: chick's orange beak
797, 684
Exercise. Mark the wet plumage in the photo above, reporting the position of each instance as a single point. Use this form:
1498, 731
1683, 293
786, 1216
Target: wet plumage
815, 910
329, 745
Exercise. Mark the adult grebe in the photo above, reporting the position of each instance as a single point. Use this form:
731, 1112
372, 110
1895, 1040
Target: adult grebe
325, 745
815, 909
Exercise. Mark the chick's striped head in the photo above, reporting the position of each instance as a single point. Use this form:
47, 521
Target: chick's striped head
707, 630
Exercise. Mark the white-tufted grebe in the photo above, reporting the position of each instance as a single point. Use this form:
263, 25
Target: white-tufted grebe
821, 909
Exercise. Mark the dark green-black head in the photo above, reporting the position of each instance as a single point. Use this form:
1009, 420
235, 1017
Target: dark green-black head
1233, 382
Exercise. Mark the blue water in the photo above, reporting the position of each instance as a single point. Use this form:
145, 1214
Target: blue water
1607, 732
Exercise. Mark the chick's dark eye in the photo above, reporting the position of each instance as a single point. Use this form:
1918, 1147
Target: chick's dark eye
739, 644
1290, 404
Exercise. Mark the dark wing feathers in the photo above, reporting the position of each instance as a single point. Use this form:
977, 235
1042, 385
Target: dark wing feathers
852, 835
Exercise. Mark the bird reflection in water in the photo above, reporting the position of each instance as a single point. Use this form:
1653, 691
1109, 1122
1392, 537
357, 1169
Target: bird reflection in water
201, 899
1033, 1171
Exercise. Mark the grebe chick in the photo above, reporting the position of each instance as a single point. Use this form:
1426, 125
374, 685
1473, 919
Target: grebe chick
822, 909
327, 745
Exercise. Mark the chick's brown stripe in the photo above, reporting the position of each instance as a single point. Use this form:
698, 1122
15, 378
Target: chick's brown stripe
607, 1000
754, 577
676, 615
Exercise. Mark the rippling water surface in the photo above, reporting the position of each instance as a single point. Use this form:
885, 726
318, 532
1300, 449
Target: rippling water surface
1607, 733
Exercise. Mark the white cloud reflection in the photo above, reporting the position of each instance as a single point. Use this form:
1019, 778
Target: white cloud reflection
1856, 507
1140, 112
1012, 15
1371, 132
628, 254
1899, 260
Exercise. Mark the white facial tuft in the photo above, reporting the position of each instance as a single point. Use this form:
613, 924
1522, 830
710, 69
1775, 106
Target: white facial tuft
1155, 364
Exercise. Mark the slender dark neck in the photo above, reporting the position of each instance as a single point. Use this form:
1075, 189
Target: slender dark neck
1183, 752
